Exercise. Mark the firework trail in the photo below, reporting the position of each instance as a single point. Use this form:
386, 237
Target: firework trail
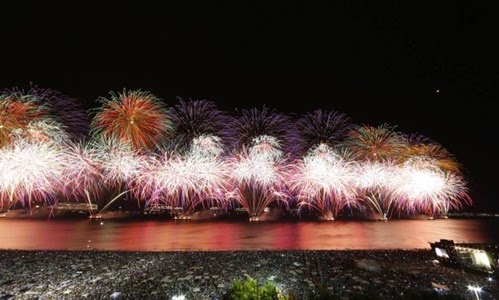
31, 172
376, 143
197, 118
67, 111
257, 176
325, 181
422, 186
375, 180
322, 127
137, 118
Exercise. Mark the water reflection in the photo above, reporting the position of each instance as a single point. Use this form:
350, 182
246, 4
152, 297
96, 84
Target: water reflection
192, 235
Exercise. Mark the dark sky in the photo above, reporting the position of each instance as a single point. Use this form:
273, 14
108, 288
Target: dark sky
376, 61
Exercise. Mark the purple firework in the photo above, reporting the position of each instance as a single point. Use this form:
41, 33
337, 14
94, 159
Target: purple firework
322, 128
66, 110
254, 123
195, 118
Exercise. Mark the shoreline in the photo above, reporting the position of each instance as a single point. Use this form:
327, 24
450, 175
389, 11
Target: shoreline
102, 274
275, 214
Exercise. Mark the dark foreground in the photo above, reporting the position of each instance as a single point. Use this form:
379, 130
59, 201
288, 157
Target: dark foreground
208, 275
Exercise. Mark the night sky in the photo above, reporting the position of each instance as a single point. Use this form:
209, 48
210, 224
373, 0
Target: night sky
430, 70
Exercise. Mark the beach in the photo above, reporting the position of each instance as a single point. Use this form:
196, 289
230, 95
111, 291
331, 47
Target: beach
94, 274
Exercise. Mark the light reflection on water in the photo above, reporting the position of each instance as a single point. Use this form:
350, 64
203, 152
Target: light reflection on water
154, 235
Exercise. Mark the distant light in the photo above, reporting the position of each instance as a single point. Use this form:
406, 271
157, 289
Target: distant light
489, 279
438, 91
474, 288
179, 297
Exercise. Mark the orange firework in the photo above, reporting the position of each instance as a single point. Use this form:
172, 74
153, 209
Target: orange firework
443, 158
136, 117
376, 143
16, 113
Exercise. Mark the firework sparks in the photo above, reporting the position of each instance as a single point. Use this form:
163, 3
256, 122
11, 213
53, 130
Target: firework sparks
31, 172
419, 147
16, 113
323, 127
134, 117
120, 162
67, 111
375, 183
183, 181
253, 123
197, 118
376, 143
257, 176
84, 177
324, 180
421, 186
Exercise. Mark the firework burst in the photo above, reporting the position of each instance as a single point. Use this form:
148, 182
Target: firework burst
120, 162
253, 123
84, 177
376, 143
375, 181
257, 176
433, 151
16, 113
183, 181
324, 180
197, 118
422, 186
323, 127
67, 111
31, 172
137, 118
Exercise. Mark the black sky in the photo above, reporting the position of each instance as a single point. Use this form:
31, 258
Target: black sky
376, 61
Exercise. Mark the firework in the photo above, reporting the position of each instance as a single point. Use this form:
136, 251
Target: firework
422, 186
183, 181
375, 181
252, 123
67, 111
120, 162
137, 118
257, 176
84, 177
376, 143
207, 146
323, 127
31, 172
42, 130
16, 113
324, 180
197, 118
426, 148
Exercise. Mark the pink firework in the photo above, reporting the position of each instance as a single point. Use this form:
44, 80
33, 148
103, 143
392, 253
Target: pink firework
257, 176
183, 182
324, 181
375, 181
31, 172
84, 177
422, 186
